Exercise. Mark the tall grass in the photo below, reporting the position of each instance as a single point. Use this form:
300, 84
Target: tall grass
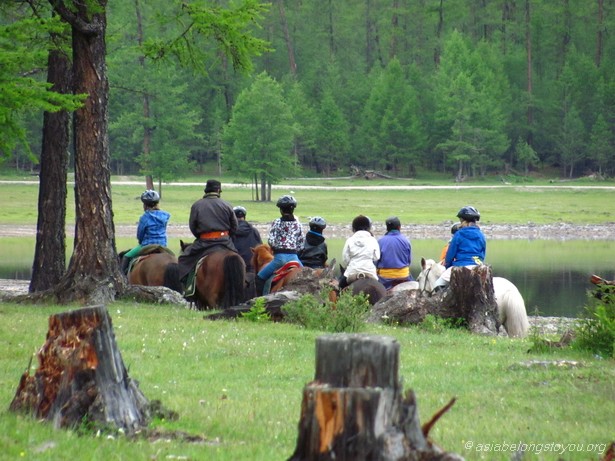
239, 385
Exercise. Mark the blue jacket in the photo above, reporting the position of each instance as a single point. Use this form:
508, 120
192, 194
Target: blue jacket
467, 244
152, 228
395, 251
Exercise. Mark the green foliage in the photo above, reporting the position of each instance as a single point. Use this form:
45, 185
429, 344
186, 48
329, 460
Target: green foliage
259, 137
24, 46
596, 332
232, 29
258, 312
348, 314
434, 324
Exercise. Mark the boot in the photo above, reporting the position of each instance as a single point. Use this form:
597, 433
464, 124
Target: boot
259, 285
124, 263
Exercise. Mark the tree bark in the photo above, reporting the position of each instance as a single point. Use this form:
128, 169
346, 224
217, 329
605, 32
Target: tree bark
81, 377
50, 251
354, 409
93, 275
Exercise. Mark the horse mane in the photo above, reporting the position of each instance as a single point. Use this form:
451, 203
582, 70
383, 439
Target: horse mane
261, 255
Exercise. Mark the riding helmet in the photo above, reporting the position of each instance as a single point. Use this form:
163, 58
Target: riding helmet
393, 223
150, 197
361, 223
469, 213
240, 211
286, 201
317, 223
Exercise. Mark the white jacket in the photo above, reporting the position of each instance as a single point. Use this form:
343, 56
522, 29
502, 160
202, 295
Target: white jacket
360, 254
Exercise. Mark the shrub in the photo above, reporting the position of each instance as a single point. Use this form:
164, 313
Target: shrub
258, 312
596, 332
348, 314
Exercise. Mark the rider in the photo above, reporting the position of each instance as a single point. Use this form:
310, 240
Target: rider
152, 227
467, 248
454, 228
360, 253
314, 253
213, 224
395, 255
285, 239
246, 237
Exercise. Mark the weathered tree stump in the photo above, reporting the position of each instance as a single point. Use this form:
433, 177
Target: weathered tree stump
470, 297
81, 377
354, 409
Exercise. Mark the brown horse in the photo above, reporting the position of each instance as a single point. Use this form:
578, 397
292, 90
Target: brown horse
261, 256
220, 279
155, 269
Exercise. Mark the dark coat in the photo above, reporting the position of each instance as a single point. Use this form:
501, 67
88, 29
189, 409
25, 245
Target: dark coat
246, 238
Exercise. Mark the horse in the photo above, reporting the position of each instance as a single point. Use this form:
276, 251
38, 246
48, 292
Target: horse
262, 255
157, 268
219, 279
510, 303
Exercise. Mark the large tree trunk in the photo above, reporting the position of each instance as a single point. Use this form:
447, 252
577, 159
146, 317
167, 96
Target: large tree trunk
354, 408
81, 377
93, 275
50, 252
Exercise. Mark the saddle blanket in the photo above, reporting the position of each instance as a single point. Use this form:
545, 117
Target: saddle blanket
284, 270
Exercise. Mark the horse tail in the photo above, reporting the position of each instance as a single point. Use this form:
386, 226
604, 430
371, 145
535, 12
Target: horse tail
234, 279
512, 313
171, 278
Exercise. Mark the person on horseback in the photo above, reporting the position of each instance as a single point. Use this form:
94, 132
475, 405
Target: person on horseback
152, 227
213, 223
285, 239
467, 248
395, 255
314, 253
360, 253
454, 228
246, 237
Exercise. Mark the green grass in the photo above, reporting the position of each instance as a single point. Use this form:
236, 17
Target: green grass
504, 205
239, 384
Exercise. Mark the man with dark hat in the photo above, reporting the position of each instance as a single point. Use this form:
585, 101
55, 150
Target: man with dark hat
213, 224
395, 255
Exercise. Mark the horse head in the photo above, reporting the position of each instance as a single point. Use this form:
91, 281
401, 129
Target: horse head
430, 272
261, 255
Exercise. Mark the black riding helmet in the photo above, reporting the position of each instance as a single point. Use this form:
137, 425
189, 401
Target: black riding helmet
469, 213
393, 223
286, 203
361, 223
150, 197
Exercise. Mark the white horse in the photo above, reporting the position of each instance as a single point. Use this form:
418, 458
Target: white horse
511, 307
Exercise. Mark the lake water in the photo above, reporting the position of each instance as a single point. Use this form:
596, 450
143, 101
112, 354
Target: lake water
553, 276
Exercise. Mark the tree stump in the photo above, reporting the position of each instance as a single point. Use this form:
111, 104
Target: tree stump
470, 297
81, 377
354, 409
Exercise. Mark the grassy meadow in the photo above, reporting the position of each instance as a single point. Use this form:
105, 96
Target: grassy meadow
239, 384
511, 204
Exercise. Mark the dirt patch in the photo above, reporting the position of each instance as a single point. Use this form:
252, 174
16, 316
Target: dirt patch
559, 231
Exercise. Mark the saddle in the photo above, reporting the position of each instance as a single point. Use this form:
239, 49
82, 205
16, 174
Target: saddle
284, 271
190, 283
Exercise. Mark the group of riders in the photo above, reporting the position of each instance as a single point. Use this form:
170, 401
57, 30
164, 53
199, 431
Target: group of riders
216, 225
